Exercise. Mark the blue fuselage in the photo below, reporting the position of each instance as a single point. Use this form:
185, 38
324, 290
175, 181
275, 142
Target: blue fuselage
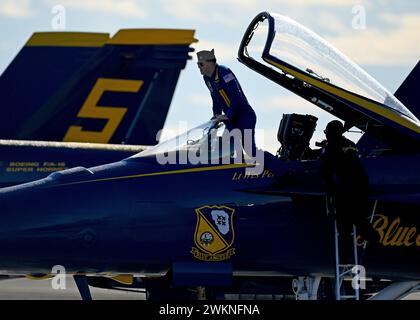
139, 216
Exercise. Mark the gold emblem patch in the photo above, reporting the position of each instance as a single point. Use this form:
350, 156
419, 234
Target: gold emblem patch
214, 233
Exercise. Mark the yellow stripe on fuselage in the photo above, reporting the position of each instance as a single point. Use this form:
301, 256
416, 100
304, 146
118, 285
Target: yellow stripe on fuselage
386, 113
47, 276
179, 171
67, 39
124, 278
153, 37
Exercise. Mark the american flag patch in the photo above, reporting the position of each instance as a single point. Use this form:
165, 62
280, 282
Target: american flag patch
228, 77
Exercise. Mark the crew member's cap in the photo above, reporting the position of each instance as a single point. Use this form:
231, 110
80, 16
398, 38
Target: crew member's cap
205, 55
334, 127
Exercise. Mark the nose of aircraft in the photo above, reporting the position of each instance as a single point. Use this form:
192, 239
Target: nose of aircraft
44, 225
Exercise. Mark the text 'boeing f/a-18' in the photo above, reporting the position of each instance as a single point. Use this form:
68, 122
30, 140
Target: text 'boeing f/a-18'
186, 214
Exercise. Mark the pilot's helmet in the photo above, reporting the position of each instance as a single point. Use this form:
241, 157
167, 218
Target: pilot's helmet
334, 128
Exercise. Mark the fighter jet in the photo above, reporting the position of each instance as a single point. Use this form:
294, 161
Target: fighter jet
194, 216
73, 88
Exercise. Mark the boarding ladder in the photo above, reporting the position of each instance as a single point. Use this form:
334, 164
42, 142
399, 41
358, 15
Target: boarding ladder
344, 271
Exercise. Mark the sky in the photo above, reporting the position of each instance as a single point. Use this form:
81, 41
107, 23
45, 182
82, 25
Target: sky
382, 36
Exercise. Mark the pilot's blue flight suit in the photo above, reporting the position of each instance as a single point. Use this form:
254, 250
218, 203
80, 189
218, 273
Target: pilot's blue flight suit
228, 97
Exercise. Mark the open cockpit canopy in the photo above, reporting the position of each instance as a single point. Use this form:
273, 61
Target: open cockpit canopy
206, 143
293, 56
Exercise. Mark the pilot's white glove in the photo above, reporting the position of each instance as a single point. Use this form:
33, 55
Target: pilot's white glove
221, 117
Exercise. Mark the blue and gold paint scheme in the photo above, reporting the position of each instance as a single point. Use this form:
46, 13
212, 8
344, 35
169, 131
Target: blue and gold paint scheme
90, 87
212, 223
66, 89
292, 57
137, 216
23, 161
214, 234
394, 232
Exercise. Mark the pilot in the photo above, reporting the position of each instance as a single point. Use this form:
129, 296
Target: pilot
228, 97
346, 181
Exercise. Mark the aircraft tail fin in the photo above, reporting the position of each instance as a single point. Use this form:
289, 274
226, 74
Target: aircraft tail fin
87, 87
408, 92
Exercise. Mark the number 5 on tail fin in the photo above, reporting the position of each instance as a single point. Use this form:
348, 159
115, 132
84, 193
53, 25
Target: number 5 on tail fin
87, 87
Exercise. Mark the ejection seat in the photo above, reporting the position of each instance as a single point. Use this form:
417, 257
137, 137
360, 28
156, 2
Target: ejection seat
295, 132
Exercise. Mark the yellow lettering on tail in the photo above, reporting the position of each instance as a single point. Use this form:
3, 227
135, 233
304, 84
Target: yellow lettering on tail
90, 109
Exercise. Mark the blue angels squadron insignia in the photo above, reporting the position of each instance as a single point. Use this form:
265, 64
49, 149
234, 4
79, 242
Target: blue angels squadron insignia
214, 233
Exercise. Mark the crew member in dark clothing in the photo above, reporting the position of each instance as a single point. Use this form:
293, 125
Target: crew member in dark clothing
346, 181
228, 97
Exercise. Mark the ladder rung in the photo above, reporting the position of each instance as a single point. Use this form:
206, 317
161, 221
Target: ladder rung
343, 271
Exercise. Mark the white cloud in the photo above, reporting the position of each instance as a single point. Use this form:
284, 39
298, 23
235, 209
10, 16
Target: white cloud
374, 46
200, 99
203, 10
216, 13
183, 9
287, 104
16, 8
325, 3
127, 8
329, 22
4, 46
224, 51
